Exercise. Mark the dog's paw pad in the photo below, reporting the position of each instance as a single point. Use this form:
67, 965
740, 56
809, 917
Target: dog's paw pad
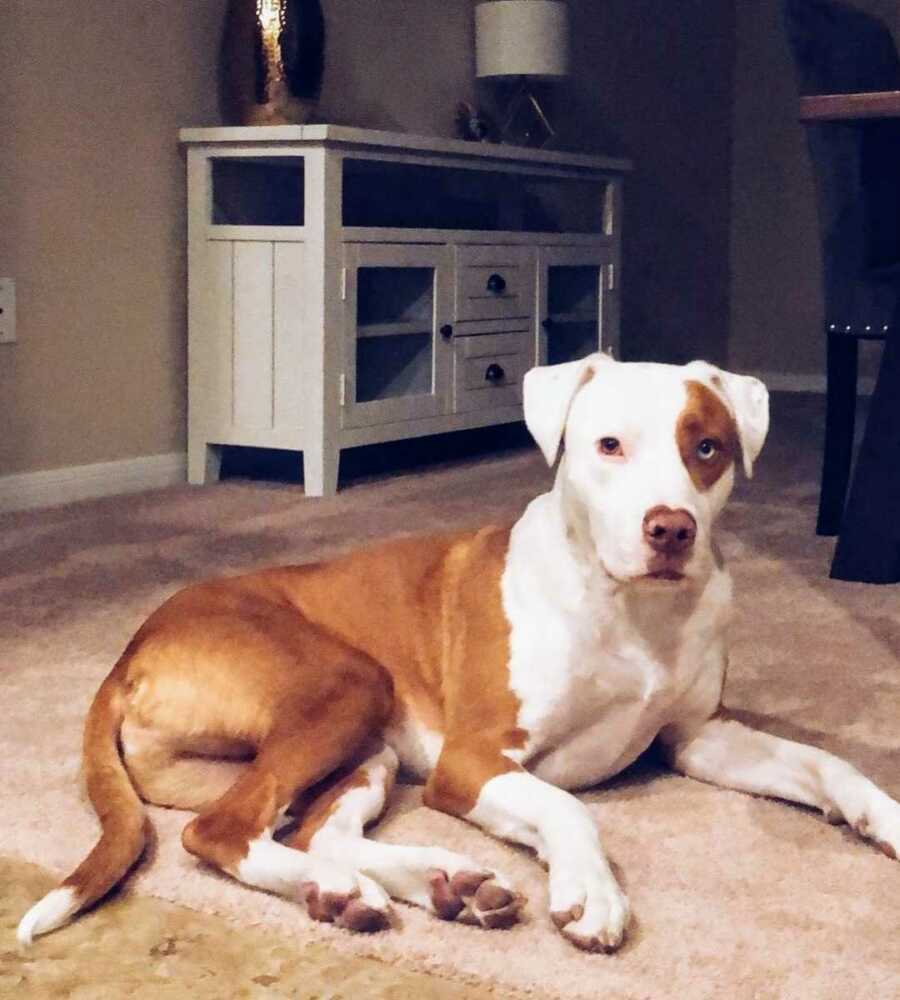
473, 897
359, 916
563, 917
592, 943
495, 907
886, 848
326, 906
344, 909
597, 925
468, 883
571, 925
501, 917
447, 902
491, 896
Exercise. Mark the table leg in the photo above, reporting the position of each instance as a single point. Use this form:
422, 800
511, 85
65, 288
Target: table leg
868, 548
320, 470
840, 417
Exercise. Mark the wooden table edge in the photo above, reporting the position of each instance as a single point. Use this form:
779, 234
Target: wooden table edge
848, 107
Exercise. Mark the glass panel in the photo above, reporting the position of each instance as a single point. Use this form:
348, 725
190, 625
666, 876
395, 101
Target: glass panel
257, 192
573, 312
394, 328
407, 195
387, 367
394, 294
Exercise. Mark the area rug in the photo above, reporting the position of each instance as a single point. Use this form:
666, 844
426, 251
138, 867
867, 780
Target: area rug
733, 896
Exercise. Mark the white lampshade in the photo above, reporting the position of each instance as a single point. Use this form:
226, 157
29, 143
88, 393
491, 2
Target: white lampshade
522, 38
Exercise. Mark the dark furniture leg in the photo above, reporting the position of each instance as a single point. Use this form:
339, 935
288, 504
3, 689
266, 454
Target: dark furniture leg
868, 549
840, 418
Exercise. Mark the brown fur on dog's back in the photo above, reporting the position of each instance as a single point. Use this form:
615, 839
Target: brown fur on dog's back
230, 675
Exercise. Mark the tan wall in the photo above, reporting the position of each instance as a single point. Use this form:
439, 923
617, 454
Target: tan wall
398, 64
92, 212
92, 224
776, 299
652, 80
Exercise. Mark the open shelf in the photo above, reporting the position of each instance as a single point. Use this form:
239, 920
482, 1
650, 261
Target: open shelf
257, 192
391, 194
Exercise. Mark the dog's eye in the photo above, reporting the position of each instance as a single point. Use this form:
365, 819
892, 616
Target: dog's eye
609, 446
707, 449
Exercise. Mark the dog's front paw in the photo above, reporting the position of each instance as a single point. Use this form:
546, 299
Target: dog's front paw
364, 908
880, 823
475, 897
591, 911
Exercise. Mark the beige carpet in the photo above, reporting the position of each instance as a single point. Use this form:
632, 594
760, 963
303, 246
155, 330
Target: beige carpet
138, 948
734, 897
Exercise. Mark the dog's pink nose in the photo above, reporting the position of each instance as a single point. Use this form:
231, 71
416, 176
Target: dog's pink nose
671, 532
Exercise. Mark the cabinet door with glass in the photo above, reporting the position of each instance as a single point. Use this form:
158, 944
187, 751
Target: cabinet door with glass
397, 307
576, 303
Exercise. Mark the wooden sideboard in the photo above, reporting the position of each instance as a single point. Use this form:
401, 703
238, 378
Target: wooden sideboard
348, 286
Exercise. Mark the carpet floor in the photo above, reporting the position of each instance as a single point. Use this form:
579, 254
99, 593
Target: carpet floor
734, 897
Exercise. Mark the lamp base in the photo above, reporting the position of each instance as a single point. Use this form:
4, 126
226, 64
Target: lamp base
525, 123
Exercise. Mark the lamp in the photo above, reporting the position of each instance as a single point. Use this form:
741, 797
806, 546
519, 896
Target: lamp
523, 40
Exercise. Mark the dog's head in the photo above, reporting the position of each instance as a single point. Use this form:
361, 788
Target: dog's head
650, 454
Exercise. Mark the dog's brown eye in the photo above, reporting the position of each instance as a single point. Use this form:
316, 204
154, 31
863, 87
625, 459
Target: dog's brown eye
707, 449
609, 446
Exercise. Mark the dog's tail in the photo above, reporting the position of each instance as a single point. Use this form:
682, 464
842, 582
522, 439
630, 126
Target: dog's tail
118, 807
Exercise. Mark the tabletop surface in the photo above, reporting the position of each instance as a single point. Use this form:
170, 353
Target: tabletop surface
847, 107
345, 135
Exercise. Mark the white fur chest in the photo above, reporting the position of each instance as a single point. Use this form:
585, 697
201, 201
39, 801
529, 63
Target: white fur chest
600, 669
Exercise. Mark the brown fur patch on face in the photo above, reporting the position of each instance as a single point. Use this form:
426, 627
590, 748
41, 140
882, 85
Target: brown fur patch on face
705, 417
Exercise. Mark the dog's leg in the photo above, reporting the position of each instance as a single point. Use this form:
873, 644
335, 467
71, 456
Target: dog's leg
450, 885
235, 833
725, 752
483, 786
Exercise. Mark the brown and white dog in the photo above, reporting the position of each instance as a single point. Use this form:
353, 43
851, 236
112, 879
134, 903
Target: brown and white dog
505, 667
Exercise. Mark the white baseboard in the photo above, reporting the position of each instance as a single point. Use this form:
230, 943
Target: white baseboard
800, 382
87, 482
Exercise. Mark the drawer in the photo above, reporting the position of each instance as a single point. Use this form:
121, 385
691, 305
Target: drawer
494, 282
486, 345
489, 370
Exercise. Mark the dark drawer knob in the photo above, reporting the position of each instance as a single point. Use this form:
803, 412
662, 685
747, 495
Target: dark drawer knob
494, 373
446, 331
496, 283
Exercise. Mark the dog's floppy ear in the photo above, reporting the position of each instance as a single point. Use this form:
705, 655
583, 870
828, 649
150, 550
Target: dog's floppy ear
547, 394
749, 401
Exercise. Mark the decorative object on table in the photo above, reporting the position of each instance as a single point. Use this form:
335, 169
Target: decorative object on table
271, 61
522, 42
471, 124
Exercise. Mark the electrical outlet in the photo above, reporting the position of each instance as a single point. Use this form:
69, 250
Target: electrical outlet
7, 311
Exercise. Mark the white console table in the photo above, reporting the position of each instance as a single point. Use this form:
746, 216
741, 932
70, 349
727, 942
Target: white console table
348, 286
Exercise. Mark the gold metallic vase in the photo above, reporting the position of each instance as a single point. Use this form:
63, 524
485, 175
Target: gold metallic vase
271, 61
